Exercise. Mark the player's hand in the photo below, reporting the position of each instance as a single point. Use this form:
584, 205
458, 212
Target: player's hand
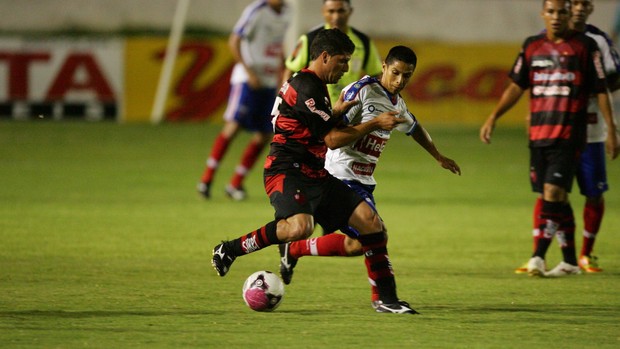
613, 145
342, 106
389, 120
449, 164
253, 80
487, 130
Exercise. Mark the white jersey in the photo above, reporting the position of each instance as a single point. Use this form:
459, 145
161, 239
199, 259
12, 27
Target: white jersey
357, 161
597, 128
262, 32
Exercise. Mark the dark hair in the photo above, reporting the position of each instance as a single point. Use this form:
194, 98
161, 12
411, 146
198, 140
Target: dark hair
332, 41
347, 1
403, 54
570, 3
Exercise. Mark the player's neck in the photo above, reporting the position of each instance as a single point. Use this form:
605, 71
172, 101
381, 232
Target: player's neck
580, 27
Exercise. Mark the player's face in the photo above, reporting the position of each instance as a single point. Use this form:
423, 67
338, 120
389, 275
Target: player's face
336, 13
581, 10
556, 14
396, 76
336, 66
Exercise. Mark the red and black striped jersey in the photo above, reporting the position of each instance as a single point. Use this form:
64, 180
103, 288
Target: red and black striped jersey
302, 117
561, 76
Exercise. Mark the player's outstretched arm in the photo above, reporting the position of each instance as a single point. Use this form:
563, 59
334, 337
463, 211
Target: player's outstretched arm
511, 95
421, 136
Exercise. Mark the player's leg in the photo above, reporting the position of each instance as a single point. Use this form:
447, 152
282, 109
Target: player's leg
259, 122
234, 112
592, 180
535, 232
557, 212
294, 221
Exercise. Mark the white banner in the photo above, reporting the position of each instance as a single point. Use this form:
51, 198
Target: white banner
61, 78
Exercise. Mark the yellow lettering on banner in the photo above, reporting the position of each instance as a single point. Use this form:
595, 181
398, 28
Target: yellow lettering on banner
453, 83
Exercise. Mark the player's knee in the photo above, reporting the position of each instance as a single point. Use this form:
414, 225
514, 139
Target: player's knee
293, 230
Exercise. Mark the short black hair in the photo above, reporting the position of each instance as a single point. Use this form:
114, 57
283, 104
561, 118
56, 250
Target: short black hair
403, 54
333, 41
347, 1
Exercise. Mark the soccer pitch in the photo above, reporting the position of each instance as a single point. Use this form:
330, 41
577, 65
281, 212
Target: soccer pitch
106, 244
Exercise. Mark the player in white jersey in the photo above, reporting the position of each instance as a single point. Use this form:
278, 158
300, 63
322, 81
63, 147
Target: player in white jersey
355, 163
256, 44
591, 168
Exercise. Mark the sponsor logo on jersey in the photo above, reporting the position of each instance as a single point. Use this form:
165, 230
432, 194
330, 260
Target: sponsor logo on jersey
363, 169
542, 63
555, 77
371, 145
549, 91
311, 104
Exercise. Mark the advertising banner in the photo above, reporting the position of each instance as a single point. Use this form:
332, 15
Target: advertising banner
61, 78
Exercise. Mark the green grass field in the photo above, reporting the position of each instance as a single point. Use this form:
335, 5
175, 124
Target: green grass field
106, 244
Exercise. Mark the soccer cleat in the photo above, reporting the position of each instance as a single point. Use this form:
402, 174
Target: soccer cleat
222, 259
204, 189
401, 307
522, 269
287, 262
237, 194
589, 264
536, 266
563, 269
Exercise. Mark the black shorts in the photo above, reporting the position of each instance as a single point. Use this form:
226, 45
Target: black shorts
328, 199
554, 165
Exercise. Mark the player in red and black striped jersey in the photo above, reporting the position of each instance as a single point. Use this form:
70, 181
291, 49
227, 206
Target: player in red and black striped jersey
299, 188
561, 68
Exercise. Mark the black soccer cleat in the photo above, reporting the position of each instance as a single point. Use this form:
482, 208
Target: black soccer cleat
287, 262
204, 189
401, 307
222, 259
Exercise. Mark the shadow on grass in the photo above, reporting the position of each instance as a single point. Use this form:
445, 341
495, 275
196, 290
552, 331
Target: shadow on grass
63, 314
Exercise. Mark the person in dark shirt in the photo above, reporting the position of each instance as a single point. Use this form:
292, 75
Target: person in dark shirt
300, 189
561, 68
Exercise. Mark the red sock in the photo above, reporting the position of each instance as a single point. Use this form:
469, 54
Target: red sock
592, 218
326, 245
213, 162
537, 222
251, 153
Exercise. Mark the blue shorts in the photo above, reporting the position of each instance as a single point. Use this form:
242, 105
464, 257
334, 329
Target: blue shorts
251, 108
365, 191
591, 170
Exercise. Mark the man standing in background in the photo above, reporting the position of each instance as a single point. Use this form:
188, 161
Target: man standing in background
591, 168
365, 58
562, 69
256, 44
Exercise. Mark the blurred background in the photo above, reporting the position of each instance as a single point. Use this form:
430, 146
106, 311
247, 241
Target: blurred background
102, 60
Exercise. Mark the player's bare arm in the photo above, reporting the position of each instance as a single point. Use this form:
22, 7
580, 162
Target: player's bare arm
423, 138
510, 96
234, 42
604, 104
341, 136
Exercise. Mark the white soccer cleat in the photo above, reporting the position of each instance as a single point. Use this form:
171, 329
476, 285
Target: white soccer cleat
237, 194
536, 266
564, 269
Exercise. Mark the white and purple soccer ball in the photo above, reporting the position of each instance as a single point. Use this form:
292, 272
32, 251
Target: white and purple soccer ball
263, 291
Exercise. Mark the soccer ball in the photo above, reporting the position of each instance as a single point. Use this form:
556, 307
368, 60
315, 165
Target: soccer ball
263, 291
